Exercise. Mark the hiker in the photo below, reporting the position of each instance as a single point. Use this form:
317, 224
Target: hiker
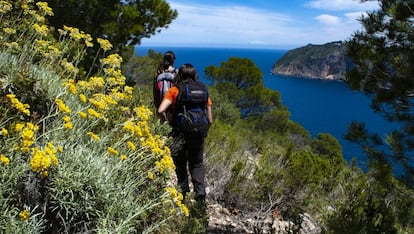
164, 78
188, 95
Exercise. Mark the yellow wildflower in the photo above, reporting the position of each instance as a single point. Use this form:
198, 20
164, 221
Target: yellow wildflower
41, 29
28, 137
4, 132
83, 98
38, 18
73, 33
123, 157
4, 159
54, 160
128, 90
131, 145
114, 60
150, 175
9, 30
83, 115
62, 32
50, 148
19, 127
93, 136
39, 161
68, 125
66, 118
96, 82
83, 85
11, 45
129, 126
32, 126
185, 210
114, 72
105, 44
112, 151
18, 105
177, 198
68, 66
98, 104
124, 109
41, 44
51, 52
62, 107
24, 215
45, 8
94, 113
88, 40
71, 86
60, 148
5, 6
143, 113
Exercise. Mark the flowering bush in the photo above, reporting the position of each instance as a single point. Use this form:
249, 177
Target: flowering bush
76, 153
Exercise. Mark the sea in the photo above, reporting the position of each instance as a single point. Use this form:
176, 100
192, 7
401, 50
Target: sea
320, 106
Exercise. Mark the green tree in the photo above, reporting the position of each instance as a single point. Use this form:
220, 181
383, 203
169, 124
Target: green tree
123, 22
383, 53
140, 69
328, 147
223, 110
240, 71
241, 80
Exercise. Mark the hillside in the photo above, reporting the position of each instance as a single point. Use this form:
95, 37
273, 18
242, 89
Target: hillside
85, 153
327, 61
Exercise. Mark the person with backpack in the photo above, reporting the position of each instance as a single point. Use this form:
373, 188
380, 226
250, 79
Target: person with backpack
164, 78
192, 117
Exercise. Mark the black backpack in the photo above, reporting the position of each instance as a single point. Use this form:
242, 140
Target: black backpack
191, 112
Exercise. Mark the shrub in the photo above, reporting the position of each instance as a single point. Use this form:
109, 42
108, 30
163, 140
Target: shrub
77, 154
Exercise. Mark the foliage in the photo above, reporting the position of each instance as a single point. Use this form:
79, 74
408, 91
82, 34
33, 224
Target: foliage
139, 70
223, 109
75, 155
383, 53
368, 206
121, 22
239, 71
276, 121
329, 148
241, 81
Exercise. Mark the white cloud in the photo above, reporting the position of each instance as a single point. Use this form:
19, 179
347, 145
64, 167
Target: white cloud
355, 15
235, 25
328, 19
343, 5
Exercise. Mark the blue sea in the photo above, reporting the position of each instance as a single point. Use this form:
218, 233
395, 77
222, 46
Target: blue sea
321, 106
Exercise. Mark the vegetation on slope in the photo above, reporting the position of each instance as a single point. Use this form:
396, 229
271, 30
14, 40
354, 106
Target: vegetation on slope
76, 155
85, 153
283, 170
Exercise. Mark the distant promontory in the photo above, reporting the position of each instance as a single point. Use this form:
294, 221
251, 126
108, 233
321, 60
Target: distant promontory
327, 61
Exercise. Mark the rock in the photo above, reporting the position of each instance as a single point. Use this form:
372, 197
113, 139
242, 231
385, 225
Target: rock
223, 221
328, 61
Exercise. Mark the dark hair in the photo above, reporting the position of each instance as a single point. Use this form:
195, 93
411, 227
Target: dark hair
186, 73
168, 59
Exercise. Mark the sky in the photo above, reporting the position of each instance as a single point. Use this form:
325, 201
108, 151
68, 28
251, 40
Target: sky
279, 24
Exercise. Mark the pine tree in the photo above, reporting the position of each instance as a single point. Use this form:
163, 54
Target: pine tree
383, 53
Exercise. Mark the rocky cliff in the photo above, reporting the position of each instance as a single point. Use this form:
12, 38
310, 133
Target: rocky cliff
327, 61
